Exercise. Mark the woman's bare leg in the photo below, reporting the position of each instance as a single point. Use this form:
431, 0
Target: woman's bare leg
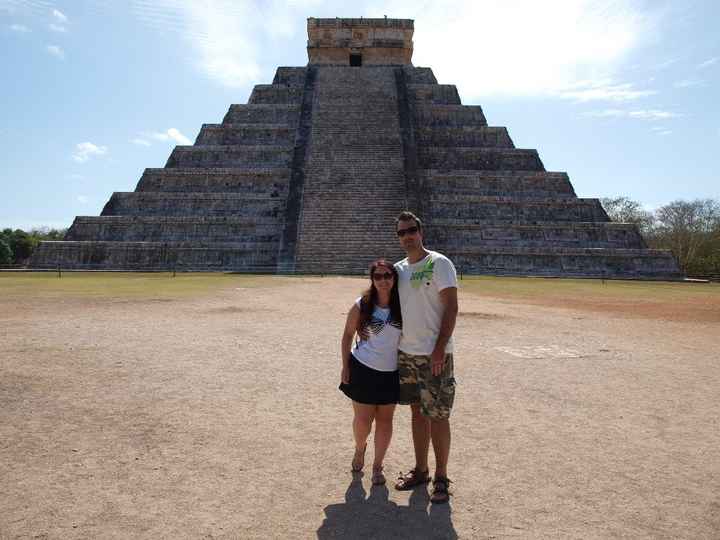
362, 423
383, 432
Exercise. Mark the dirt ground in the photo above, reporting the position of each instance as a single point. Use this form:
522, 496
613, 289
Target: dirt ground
216, 415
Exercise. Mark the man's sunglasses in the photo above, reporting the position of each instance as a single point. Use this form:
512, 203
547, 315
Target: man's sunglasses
409, 230
379, 277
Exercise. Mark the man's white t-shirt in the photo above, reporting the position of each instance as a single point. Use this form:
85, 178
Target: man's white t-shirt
419, 287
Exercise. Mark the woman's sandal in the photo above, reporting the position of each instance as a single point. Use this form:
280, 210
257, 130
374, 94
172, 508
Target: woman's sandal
412, 479
358, 461
440, 493
378, 478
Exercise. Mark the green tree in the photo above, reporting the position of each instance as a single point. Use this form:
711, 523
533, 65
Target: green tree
6, 254
22, 245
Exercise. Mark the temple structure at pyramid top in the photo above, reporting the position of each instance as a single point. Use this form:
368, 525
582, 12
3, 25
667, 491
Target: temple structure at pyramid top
309, 175
358, 42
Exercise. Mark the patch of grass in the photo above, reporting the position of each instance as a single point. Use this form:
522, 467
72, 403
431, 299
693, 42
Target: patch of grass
585, 289
124, 284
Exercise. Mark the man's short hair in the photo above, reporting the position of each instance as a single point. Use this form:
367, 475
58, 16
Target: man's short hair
406, 215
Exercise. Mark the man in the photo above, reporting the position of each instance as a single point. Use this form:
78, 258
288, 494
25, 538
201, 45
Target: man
428, 299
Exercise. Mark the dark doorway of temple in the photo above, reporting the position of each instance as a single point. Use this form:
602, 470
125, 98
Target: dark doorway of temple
356, 60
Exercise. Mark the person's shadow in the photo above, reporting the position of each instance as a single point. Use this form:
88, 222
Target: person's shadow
377, 517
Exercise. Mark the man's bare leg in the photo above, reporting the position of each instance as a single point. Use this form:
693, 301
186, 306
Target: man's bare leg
421, 438
440, 435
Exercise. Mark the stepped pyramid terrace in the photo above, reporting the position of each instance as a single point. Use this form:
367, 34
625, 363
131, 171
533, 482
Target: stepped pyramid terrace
309, 175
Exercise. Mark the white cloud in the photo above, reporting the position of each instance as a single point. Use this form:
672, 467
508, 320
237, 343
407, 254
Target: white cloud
222, 33
171, 134
688, 83
21, 28
83, 199
178, 137
85, 150
526, 47
140, 142
56, 51
585, 91
59, 15
708, 63
57, 28
651, 114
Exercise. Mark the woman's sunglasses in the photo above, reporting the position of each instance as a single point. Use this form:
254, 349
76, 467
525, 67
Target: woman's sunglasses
378, 277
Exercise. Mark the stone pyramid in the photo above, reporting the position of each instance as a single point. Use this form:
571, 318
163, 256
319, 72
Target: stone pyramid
309, 175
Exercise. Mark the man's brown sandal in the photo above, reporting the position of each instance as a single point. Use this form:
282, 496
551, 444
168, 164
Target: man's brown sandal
378, 478
358, 461
412, 479
440, 493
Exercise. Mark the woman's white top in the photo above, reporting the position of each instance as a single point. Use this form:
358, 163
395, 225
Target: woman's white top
380, 350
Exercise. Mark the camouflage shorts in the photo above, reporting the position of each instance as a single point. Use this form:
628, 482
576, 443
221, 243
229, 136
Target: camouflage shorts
418, 385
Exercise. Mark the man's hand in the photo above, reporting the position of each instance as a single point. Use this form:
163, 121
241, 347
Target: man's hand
345, 375
437, 362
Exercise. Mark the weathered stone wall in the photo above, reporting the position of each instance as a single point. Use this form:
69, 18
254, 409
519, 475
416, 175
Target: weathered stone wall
378, 41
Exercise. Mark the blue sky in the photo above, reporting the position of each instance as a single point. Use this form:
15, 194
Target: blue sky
620, 94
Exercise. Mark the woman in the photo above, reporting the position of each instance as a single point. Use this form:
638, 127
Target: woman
369, 373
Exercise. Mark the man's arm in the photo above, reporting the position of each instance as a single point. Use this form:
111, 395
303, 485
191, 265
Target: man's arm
448, 298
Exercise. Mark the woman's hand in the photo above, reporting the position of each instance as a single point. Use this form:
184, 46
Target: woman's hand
345, 375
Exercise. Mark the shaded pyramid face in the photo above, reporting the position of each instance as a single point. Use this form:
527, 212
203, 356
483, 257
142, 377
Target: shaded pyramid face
311, 173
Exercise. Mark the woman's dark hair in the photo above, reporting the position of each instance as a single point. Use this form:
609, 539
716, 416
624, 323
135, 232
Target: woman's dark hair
369, 298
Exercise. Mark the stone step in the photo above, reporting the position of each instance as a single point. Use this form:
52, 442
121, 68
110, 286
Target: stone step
175, 229
246, 134
290, 75
148, 203
577, 234
195, 256
565, 262
447, 115
276, 93
419, 75
272, 182
439, 94
498, 183
278, 113
506, 209
486, 159
230, 156
463, 136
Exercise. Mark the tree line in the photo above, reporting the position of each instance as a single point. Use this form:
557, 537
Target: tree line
690, 229
16, 246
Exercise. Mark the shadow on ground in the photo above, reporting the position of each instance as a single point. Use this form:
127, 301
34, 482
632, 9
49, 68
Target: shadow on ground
375, 516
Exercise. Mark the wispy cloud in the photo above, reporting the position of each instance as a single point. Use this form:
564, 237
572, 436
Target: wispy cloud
643, 114
57, 28
172, 134
688, 83
708, 63
83, 199
20, 28
59, 16
56, 51
85, 150
585, 91
140, 142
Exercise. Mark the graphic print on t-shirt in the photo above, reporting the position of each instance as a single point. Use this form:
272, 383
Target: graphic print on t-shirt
425, 275
377, 325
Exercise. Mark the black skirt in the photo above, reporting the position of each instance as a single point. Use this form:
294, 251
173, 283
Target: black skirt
370, 386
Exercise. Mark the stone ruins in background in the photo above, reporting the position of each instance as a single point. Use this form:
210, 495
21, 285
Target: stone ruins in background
311, 173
